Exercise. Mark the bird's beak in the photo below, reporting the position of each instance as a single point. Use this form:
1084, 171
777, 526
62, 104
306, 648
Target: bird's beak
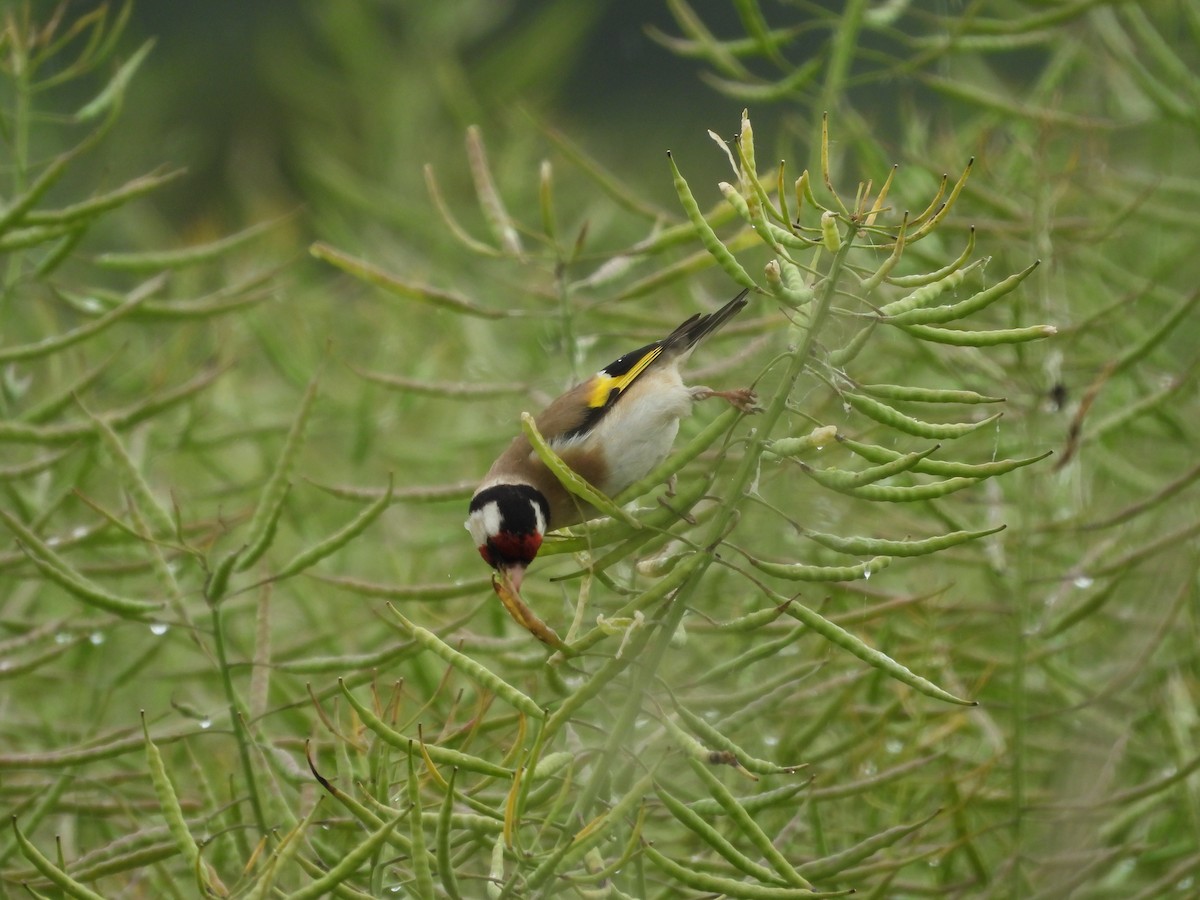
514, 575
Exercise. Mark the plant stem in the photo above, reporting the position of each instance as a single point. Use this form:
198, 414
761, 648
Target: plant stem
651, 659
237, 719
20, 145
723, 522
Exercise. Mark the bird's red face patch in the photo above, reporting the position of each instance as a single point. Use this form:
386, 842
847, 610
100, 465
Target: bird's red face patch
506, 548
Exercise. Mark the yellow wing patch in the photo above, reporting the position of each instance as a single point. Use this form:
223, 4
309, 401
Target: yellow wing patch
606, 384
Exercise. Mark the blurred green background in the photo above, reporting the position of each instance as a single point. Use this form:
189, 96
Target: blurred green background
254, 95
192, 393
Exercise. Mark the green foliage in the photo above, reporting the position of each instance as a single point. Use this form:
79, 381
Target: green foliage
869, 638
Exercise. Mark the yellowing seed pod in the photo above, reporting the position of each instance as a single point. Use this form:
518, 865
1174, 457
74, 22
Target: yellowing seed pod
829, 232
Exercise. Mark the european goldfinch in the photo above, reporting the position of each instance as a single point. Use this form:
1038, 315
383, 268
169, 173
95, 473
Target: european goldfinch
612, 430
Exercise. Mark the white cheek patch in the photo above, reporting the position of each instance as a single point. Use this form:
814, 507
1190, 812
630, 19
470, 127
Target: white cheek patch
492, 519
484, 523
538, 517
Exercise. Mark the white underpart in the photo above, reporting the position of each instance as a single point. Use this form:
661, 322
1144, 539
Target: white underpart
642, 426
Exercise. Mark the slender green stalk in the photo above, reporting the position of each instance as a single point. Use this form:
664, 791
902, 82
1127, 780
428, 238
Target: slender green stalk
651, 658
237, 719
22, 107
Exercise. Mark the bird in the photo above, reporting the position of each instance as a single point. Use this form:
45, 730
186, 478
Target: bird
611, 429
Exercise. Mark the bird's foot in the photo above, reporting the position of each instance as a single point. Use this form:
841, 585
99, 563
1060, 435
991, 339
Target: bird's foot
743, 399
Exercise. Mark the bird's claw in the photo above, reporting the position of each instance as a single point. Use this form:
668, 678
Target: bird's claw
743, 399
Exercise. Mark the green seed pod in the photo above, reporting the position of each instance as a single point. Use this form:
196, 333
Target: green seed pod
894, 494
736, 200
793, 279
774, 278
314, 554
75, 756
937, 431
768, 231
1117, 421
443, 756
838, 636
407, 592
661, 516
551, 764
664, 561
752, 621
844, 355
801, 572
606, 673
62, 341
684, 741
697, 824
862, 546
270, 501
831, 866
804, 192
725, 259
842, 480
54, 567
348, 864
789, 239
780, 796
643, 601
973, 304
445, 833
503, 229
914, 281
1166, 327
476, 671
942, 468
495, 881
716, 885
217, 582
873, 280
877, 207
980, 338
747, 827
57, 876
422, 871
12, 669
168, 802
817, 439
923, 296
715, 739
925, 395
830, 236
188, 256
409, 290
944, 209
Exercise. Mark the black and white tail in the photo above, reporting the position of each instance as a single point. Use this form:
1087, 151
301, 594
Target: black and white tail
700, 326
